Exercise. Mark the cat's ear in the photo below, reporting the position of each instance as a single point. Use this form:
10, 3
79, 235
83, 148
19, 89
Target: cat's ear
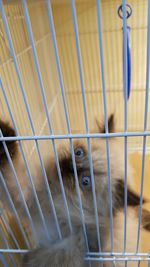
111, 125
7, 131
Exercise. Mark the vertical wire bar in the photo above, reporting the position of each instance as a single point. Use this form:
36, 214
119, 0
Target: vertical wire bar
11, 163
2, 108
7, 78
7, 247
79, 195
125, 117
3, 260
14, 209
8, 34
28, 23
99, 16
20, 107
145, 125
75, 23
9, 229
52, 29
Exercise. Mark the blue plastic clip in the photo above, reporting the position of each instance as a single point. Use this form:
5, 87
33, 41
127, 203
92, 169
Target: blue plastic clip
128, 29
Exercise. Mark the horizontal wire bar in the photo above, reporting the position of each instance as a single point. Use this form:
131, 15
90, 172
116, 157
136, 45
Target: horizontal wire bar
114, 259
91, 254
17, 251
74, 136
20, 251
98, 254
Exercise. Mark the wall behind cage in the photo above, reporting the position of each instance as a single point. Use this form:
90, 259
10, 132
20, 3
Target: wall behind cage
112, 41
28, 74
88, 35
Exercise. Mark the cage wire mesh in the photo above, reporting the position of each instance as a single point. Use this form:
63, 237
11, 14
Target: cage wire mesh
61, 66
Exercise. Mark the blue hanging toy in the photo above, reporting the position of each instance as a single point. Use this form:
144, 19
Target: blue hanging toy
128, 29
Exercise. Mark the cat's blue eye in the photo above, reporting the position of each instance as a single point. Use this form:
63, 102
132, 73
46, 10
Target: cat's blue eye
86, 181
79, 152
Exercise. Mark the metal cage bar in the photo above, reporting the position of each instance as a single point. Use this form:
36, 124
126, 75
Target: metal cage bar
27, 109
52, 29
100, 256
145, 124
99, 17
125, 117
49, 123
11, 256
81, 73
75, 136
12, 166
14, 209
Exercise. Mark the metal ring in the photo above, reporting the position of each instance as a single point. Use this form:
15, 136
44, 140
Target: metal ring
128, 11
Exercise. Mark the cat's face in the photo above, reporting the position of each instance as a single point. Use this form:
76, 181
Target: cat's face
86, 174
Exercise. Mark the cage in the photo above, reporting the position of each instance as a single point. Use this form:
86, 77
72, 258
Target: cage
61, 66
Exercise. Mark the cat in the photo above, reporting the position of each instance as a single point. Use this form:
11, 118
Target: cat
70, 249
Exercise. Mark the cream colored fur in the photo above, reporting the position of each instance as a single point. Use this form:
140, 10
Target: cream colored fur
71, 250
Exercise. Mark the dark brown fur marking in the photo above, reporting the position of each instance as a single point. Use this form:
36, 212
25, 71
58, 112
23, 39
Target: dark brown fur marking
66, 167
133, 198
7, 131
